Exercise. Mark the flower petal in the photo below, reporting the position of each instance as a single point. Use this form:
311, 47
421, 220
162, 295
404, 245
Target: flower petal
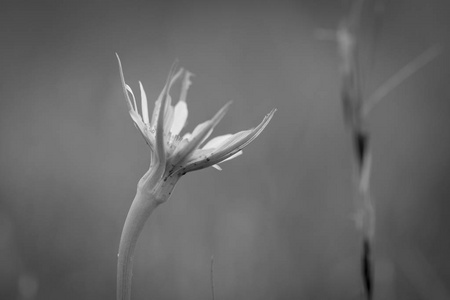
185, 85
242, 139
144, 105
160, 143
170, 81
239, 153
175, 77
124, 85
149, 138
179, 117
155, 113
203, 158
217, 167
181, 111
132, 94
217, 141
200, 133
132, 109
168, 116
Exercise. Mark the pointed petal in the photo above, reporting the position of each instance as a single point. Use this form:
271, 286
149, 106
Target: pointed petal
124, 85
132, 109
137, 120
207, 157
132, 94
144, 104
173, 80
239, 153
165, 91
185, 86
181, 111
168, 117
242, 141
200, 133
216, 166
235, 139
217, 141
169, 111
179, 117
160, 143
149, 138
155, 113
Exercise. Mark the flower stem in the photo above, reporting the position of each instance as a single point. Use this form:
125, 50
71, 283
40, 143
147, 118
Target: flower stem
141, 209
153, 189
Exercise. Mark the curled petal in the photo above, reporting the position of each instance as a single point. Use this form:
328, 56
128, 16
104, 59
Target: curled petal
216, 166
170, 80
180, 115
125, 87
239, 153
155, 113
207, 157
168, 116
144, 105
241, 141
217, 141
181, 111
185, 85
200, 133
128, 88
160, 143
149, 138
175, 77
132, 109
235, 141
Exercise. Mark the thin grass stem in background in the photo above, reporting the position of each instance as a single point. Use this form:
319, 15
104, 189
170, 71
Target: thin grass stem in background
212, 278
398, 78
356, 109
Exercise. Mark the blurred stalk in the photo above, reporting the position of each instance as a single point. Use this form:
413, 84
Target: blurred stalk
352, 103
212, 278
355, 110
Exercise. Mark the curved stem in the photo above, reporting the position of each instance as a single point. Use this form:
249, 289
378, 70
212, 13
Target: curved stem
153, 189
141, 209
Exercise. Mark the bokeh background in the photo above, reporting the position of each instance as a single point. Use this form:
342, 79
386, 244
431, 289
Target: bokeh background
279, 219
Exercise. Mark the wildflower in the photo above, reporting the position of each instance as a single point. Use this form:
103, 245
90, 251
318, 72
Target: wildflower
179, 155
171, 157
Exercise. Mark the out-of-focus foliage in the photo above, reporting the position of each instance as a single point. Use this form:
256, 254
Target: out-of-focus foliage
278, 220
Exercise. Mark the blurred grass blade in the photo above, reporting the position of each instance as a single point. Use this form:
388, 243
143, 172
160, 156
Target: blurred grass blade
405, 72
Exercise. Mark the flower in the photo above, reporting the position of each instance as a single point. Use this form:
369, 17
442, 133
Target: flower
172, 156
179, 155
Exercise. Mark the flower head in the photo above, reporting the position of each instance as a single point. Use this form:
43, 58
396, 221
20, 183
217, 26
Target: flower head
175, 154
171, 157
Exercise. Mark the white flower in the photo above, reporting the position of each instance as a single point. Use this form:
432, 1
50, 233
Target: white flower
179, 155
172, 156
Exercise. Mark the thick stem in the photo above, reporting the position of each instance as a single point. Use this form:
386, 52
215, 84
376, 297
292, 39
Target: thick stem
140, 211
149, 195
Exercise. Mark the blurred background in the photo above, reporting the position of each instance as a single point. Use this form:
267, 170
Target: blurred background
279, 219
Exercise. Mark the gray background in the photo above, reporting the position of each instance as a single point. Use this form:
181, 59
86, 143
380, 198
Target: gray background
278, 220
